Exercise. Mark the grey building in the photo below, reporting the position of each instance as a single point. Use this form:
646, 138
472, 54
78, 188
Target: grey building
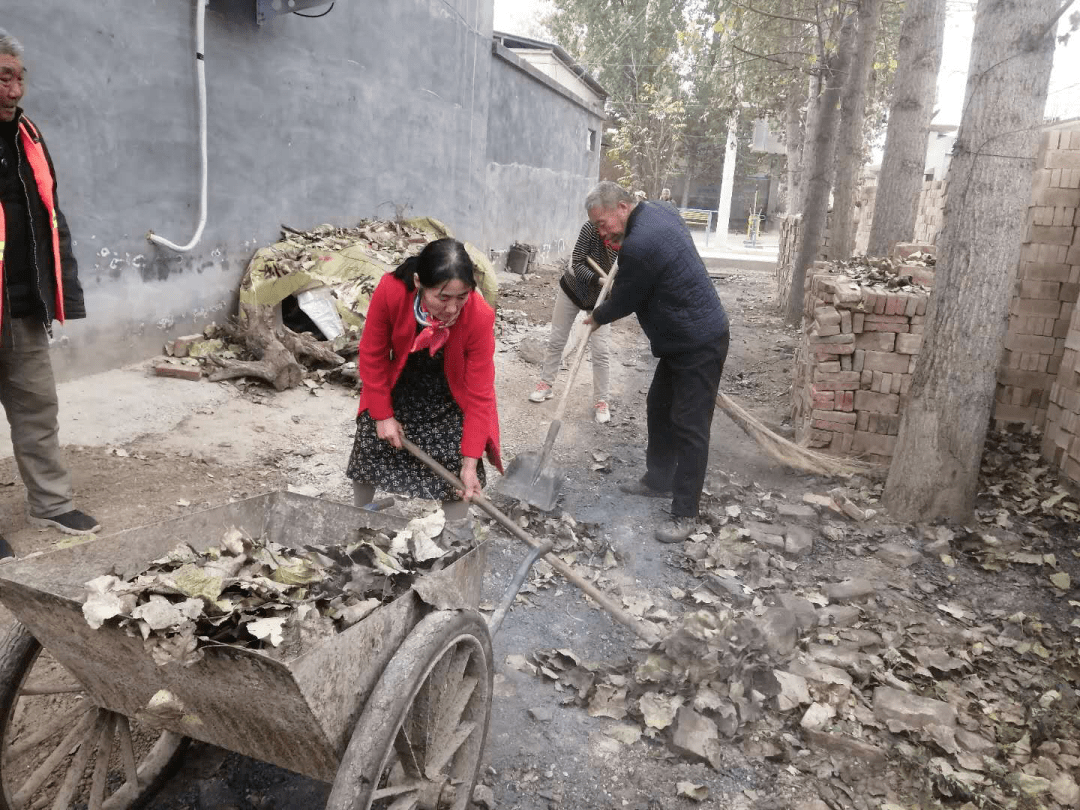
372, 107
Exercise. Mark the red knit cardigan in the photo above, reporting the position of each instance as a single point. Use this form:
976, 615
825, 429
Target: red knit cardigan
468, 362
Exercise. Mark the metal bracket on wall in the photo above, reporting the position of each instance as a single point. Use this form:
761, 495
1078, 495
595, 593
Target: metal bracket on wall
267, 9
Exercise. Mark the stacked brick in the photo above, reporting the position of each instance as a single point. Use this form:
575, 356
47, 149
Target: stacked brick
862, 339
931, 212
1061, 441
1047, 285
1050, 268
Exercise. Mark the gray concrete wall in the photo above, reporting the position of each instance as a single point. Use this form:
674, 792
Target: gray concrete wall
381, 103
310, 121
540, 165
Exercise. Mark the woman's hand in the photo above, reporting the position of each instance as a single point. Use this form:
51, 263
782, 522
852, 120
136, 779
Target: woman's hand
469, 479
389, 430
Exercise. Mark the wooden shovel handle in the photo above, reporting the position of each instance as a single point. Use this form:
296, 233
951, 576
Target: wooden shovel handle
616, 612
596, 268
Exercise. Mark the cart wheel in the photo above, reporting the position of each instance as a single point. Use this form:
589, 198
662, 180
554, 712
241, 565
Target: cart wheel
58, 750
418, 742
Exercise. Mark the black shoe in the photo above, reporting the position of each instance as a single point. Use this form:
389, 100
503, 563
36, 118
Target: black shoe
73, 522
639, 487
675, 529
5, 549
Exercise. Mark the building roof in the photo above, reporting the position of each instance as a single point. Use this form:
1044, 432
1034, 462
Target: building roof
514, 41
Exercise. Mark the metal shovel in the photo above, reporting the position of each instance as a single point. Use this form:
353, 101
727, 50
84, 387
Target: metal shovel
531, 477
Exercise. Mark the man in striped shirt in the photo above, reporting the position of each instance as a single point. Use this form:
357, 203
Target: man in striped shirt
578, 289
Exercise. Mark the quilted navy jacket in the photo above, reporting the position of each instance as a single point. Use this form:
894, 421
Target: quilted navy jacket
663, 280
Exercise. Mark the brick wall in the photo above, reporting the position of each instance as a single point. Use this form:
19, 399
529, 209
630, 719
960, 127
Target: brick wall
1047, 285
930, 213
1050, 267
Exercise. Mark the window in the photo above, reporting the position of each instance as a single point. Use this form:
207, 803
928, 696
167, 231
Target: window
592, 140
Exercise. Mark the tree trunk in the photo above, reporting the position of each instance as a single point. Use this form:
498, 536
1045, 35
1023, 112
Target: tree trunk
691, 159
824, 149
914, 93
278, 351
794, 142
935, 470
850, 146
809, 139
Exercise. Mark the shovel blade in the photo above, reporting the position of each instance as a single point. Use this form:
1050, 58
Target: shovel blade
530, 480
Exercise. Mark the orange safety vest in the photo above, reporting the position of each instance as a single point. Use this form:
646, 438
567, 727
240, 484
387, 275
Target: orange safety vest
46, 185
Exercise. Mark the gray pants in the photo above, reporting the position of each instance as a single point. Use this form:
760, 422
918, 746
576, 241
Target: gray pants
28, 394
562, 320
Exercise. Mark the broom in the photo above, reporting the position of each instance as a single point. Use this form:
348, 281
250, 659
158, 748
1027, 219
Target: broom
788, 452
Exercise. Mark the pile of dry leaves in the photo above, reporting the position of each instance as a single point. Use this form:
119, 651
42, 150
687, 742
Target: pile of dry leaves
251, 592
887, 672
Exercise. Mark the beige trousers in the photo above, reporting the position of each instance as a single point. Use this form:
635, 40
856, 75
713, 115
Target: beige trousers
28, 394
562, 321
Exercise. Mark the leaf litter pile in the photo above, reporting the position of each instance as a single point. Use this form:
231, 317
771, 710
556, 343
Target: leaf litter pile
254, 593
899, 667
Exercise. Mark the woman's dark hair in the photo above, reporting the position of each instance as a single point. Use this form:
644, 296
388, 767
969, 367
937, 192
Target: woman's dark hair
439, 262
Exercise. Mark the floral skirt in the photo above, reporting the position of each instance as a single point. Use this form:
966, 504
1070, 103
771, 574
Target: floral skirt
430, 418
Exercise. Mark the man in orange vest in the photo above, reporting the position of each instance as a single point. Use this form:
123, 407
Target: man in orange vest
39, 283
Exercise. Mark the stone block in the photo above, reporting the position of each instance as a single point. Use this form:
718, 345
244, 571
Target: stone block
908, 344
876, 341
831, 340
876, 443
180, 372
1045, 290
886, 361
841, 381
877, 403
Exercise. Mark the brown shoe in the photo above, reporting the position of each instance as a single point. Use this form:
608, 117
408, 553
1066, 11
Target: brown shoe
639, 487
675, 529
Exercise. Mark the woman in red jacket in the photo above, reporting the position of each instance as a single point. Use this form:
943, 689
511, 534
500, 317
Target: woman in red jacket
427, 362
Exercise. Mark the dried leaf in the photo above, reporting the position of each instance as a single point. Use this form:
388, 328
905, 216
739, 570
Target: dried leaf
698, 793
267, 629
659, 709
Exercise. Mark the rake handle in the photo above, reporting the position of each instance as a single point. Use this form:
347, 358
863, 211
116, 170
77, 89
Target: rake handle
639, 628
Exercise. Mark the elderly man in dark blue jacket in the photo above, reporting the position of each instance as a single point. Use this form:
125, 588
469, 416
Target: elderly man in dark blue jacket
663, 280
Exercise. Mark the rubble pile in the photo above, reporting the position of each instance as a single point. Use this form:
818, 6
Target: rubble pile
864, 320
885, 685
254, 593
303, 301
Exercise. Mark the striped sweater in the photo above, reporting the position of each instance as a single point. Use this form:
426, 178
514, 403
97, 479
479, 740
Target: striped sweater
579, 282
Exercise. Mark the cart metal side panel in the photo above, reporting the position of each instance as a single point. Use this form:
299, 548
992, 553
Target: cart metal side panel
336, 678
294, 520
233, 698
297, 714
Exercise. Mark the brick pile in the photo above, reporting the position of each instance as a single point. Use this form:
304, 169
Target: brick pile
1050, 269
1061, 441
863, 333
1047, 285
931, 212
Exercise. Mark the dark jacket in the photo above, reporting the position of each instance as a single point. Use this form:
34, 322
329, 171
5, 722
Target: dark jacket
662, 279
28, 258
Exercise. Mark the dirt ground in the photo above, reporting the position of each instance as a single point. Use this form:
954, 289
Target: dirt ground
185, 446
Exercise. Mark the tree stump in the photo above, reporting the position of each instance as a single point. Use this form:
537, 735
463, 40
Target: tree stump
277, 348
